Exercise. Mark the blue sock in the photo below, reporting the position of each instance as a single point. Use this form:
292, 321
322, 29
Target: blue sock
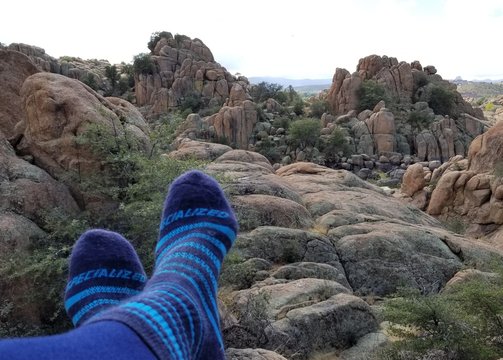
104, 270
176, 314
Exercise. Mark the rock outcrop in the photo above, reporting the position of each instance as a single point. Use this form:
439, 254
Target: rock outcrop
183, 67
58, 111
346, 240
88, 71
235, 122
14, 69
28, 194
412, 126
474, 190
467, 194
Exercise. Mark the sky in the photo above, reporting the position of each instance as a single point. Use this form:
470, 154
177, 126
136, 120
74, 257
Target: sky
279, 38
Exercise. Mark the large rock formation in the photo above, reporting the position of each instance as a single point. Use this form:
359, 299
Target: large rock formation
14, 69
58, 111
412, 126
467, 194
473, 190
91, 72
233, 124
298, 286
183, 67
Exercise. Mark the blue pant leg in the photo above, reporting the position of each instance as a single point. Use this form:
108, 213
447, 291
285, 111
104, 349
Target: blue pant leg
102, 340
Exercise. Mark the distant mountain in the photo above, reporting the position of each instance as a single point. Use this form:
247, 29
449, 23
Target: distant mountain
294, 82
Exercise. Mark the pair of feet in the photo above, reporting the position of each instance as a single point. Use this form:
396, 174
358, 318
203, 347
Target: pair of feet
175, 312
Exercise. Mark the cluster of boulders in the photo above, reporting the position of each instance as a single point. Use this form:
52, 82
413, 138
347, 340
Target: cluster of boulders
42, 116
317, 246
405, 82
43, 162
409, 128
73, 67
314, 245
469, 189
183, 67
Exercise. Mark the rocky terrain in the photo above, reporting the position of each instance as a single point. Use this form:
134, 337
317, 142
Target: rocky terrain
464, 190
87, 71
319, 247
182, 67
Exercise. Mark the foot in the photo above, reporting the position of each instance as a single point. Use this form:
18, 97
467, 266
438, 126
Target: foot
177, 314
104, 270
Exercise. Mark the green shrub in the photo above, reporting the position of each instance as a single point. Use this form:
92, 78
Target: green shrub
90, 81
192, 102
369, 94
209, 111
123, 85
335, 144
156, 36
281, 122
489, 106
32, 282
253, 316
422, 79
480, 101
292, 96
305, 132
267, 148
112, 75
317, 108
420, 120
236, 273
264, 90
298, 107
441, 100
466, 322
143, 64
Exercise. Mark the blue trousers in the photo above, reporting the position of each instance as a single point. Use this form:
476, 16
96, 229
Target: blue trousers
103, 340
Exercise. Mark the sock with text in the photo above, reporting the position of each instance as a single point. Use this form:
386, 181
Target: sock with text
104, 270
176, 315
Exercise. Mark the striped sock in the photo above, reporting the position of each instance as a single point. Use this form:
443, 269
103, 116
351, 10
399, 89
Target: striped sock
104, 270
176, 314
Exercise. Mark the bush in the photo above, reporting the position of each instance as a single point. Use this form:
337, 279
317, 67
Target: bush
369, 94
156, 36
281, 122
264, 90
465, 323
267, 148
90, 81
305, 132
335, 144
489, 106
298, 107
33, 282
143, 64
112, 75
317, 108
236, 273
192, 102
420, 120
441, 100
124, 85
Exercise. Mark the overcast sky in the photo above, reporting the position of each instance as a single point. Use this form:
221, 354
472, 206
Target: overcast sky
294, 39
